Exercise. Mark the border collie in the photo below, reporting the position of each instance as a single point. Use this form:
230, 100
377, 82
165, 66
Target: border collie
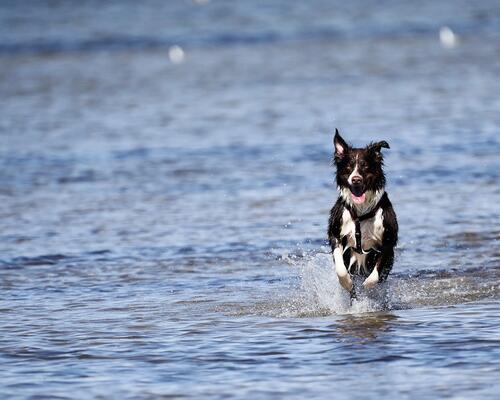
363, 229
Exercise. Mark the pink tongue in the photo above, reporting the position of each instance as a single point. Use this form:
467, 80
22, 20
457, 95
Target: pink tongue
358, 199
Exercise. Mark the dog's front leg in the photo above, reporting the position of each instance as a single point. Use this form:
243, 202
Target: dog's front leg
344, 278
372, 279
382, 268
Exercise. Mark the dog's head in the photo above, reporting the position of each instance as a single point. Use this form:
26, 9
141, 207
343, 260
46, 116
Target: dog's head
359, 170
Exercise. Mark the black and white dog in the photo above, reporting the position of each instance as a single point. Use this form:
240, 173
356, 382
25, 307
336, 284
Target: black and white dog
363, 229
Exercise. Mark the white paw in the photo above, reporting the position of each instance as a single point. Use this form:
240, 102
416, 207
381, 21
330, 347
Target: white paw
372, 280
346, 282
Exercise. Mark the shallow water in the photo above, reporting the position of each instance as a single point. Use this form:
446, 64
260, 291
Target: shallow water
163, 226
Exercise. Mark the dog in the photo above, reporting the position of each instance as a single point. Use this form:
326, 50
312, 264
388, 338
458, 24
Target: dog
362, 228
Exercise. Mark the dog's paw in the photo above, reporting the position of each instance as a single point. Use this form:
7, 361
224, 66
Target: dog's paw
372, 280
346, 282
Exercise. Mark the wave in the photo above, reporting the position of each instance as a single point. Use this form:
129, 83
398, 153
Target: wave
120, 42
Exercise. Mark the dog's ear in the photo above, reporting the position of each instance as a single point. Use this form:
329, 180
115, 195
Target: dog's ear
340, 144
377, 146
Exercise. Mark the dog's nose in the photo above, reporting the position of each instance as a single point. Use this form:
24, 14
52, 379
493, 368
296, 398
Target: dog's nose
357, 180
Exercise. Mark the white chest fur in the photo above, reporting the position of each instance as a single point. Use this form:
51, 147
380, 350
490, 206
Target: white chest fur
372, 232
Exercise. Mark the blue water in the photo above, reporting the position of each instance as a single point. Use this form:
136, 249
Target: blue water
163, 224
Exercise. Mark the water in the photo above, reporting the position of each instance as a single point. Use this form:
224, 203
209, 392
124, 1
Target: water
163, 224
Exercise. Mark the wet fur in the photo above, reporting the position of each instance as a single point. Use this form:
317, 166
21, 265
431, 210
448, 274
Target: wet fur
380, 231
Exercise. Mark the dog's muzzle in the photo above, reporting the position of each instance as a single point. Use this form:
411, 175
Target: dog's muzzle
357, 186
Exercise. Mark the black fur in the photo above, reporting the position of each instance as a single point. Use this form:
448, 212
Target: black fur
371, 178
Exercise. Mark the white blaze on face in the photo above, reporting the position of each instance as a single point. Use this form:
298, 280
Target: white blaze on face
354, 173
356, 199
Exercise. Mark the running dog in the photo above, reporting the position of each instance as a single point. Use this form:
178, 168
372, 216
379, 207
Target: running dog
362, 229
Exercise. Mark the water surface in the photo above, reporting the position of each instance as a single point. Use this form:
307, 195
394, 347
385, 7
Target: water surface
163, 226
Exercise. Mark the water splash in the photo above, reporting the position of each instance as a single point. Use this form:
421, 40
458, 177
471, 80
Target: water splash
321, 291
315, 291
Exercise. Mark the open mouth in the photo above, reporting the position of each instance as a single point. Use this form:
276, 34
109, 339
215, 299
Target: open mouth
358, 194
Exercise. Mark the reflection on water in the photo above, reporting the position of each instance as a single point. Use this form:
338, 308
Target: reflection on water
365, 327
